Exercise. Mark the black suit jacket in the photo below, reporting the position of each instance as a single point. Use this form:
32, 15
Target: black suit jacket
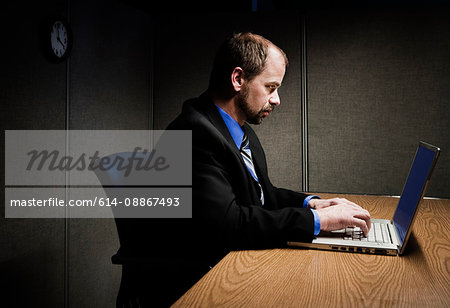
227, 213
163, 258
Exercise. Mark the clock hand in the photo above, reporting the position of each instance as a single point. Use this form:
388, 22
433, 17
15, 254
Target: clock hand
58, 39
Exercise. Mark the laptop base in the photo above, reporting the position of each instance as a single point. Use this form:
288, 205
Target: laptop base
346, 248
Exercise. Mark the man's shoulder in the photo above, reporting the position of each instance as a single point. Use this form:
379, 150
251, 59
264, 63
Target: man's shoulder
193, 114
201, 116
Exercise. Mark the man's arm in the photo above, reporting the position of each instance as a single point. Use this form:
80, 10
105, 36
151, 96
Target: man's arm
333, 214
238, 224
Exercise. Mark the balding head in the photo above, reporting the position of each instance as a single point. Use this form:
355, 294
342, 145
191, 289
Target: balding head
248, 51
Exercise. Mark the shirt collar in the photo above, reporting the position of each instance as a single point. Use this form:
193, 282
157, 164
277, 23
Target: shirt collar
234, 128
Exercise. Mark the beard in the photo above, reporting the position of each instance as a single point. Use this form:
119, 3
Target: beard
252, 116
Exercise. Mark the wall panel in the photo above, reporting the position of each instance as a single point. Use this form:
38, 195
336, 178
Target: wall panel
110, 89
32, 96
378, 82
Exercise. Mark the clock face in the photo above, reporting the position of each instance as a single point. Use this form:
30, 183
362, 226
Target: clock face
59, 39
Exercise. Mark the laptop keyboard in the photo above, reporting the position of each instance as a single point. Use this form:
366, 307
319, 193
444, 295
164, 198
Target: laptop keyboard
378, 233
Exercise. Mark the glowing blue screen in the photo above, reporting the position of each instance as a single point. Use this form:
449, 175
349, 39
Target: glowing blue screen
412, 191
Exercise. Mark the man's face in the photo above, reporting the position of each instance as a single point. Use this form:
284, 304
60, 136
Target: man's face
259, 96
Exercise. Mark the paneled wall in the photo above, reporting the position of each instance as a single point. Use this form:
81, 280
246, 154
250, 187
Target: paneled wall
110, 88
378, 83
105, 85
32, 96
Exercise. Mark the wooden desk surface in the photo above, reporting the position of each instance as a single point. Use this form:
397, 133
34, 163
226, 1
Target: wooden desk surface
300, 277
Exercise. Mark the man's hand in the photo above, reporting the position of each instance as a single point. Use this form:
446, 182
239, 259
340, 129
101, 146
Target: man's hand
338, 213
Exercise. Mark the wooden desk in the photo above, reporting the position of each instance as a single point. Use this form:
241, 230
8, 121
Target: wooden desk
300, 277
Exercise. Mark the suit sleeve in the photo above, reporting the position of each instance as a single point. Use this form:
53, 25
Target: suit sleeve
289, 198
237, 224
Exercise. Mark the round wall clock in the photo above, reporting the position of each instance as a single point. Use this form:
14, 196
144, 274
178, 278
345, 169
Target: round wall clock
58, 39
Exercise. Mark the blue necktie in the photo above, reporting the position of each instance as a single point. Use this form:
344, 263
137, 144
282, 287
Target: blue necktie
247, 156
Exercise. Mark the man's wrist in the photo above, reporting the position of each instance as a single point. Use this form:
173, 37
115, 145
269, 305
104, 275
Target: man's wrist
316, 222
307, 199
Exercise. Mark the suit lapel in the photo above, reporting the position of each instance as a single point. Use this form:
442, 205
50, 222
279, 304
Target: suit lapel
211, 112
257, 152
258, 156
259, 161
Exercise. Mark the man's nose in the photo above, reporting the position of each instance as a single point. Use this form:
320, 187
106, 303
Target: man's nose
275, 98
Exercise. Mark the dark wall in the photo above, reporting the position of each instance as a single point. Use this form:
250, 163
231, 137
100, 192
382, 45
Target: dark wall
377, 83
33, 96
110, 88
106, 84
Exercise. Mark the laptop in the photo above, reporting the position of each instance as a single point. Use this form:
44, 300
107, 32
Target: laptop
386, 237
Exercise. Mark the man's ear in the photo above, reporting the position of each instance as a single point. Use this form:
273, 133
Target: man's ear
237, 78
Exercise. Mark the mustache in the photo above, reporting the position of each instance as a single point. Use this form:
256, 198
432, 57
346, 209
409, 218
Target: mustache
269, 108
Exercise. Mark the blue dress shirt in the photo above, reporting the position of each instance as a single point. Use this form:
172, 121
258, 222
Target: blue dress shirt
237, 134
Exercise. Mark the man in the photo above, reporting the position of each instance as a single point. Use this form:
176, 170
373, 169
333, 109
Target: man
235, 206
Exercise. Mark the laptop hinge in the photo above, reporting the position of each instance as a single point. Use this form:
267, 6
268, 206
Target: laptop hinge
394, 236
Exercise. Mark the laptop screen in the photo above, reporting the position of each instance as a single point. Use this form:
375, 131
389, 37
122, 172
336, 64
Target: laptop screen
412, 191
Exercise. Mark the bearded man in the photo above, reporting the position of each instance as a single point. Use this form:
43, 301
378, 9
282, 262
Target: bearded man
235, 206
